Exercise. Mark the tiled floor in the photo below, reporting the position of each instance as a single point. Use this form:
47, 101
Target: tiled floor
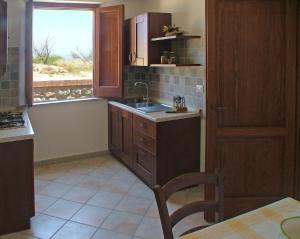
98, 198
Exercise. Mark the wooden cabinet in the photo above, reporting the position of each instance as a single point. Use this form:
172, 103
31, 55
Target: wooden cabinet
155, 152
120, 134
3, 36
139, 30
16, 186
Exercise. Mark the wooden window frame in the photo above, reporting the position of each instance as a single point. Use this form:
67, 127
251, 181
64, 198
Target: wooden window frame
101, 14
50, 6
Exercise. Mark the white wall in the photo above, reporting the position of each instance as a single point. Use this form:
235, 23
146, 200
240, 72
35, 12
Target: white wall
68, 129
187, 14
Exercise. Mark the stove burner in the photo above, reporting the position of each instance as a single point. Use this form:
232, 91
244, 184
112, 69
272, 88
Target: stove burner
11, 120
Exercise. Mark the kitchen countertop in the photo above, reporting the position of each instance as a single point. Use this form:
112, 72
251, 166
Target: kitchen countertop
157, 116
17, 134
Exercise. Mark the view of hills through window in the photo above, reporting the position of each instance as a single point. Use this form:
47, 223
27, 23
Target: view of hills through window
62, 54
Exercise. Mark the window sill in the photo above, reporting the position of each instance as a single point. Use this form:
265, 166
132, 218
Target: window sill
67, 101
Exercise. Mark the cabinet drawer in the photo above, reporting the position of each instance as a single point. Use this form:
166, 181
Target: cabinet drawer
145, 166
145, 142
145, 126
145, 159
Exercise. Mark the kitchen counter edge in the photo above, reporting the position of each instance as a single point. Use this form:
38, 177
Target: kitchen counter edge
157, 116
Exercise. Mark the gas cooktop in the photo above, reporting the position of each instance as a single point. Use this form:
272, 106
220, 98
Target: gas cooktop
10, 120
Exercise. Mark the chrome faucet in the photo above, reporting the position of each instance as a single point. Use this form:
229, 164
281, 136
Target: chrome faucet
147, 87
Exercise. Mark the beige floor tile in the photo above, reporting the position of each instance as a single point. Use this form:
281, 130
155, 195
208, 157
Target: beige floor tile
79, 194
48, 174
42, 202
63, 209
134, 205
90, 215
125, 175
72, 230
153, 211
55, 189
69, 178
106, 199
150, 228
117, 186
103, 174
44, 227
141, 190
39, 185
92, 182
106, 234
82, 169
122, 222
112, 165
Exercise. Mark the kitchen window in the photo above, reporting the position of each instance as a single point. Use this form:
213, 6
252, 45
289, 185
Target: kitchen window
74, 51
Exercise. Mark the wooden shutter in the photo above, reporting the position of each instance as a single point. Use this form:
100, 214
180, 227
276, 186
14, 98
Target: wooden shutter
3, 36
108, 77
28, 52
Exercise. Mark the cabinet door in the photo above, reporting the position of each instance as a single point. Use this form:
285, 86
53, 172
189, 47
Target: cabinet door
140, 55
115, 131
126, 137
144, 165
16, 186
109, 27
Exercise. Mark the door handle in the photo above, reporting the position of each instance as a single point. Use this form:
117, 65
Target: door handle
130, 57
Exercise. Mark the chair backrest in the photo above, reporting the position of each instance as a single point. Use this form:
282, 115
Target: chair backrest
163, 193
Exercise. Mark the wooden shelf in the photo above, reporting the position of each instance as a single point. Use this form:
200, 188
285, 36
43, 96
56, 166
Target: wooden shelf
173, 65
180, 37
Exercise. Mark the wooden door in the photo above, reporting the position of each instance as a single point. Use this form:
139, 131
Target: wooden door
126, 137
115, 128
109, 29
140, 55
251, 100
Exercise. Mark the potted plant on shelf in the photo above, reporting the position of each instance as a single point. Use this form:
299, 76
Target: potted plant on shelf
172, 31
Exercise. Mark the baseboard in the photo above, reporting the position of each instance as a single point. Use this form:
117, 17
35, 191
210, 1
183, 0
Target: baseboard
70, 158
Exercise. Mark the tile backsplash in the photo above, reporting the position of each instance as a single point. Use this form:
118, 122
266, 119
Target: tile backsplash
165, 82
9, 82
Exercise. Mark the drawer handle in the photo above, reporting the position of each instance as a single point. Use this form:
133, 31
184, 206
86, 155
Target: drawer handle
143, 125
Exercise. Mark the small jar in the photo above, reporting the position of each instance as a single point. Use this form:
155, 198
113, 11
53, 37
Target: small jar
164, 58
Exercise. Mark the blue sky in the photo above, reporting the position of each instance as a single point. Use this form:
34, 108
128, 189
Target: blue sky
67, 29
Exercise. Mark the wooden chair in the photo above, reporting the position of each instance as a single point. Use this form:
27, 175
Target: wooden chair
162, 194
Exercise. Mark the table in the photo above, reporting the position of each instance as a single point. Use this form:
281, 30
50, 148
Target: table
262, 223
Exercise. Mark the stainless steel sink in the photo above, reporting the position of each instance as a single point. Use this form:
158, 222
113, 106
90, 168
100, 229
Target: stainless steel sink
149, 107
